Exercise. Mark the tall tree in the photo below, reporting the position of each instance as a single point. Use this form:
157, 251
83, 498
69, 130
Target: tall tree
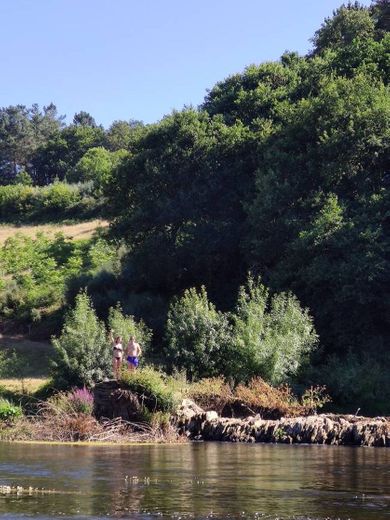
84, 119
16, 140
122, 135
348, 22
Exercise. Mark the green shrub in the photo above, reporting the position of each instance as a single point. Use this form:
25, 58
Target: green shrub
59, 196
272, 336
77, 401
23, 178
152, 387
9, 411
16, 199
197, 335
22, 202
37, 274
102, 256
83, 355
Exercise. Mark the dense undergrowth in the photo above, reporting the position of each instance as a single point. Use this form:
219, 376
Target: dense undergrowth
54, 203
37, 277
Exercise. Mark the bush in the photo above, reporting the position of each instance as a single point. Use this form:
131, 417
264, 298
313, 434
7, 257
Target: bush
152, 387
23, 178
197, 335
81, 401
40, 273
58, 200
9, 411
59, 196
75, 402
82, 353
16, 199
60, 419
272, 336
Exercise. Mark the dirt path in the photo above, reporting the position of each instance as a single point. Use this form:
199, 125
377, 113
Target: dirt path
75, 231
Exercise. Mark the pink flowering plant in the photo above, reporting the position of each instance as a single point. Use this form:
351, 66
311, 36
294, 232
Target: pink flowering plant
81, 400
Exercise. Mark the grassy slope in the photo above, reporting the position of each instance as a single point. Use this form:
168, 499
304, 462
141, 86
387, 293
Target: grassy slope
35, 355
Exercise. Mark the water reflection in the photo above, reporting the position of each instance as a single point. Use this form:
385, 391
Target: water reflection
199, 480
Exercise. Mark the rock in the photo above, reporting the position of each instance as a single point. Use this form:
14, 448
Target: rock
188, 408
315, 429
211, 416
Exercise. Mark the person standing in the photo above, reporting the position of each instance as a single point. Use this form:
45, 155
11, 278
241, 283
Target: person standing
117, 353
133, 352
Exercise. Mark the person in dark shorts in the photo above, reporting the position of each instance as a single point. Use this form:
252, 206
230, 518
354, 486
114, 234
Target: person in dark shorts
133, 352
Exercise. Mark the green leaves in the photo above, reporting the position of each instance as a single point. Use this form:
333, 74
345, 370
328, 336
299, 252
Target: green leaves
272, 336
197, 335
83, 354
84, 349
267, 337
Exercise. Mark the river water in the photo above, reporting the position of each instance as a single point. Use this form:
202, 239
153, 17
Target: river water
197, 481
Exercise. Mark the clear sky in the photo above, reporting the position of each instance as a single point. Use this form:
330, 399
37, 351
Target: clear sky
139, 59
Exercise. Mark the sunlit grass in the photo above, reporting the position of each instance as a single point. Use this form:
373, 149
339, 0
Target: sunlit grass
75, 231
18, 386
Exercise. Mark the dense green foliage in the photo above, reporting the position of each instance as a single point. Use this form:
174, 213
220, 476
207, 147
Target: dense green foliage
153, 387
198, 336
267, 337
36, 274
272, 336
282, 172
83, 351
38, 144
57, 201
83, 354
9, 411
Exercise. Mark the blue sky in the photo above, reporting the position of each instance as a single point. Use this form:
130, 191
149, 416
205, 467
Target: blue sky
134, 59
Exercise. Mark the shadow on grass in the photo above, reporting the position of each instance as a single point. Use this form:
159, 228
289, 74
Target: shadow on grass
35, 355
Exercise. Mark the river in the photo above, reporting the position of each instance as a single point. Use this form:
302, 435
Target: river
200, 480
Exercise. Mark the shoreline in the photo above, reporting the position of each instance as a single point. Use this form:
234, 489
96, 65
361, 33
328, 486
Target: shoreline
191, 426
322, 429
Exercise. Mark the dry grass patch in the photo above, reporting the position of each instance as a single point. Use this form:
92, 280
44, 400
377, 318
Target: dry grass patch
73, 231
256, 397
21, 386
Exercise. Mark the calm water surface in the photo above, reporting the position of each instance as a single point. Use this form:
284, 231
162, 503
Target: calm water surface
197, 481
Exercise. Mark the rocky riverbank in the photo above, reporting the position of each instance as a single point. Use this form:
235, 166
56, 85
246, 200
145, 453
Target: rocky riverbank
197, 424
314, 429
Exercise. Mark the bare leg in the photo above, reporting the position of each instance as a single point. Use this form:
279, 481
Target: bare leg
116, 367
